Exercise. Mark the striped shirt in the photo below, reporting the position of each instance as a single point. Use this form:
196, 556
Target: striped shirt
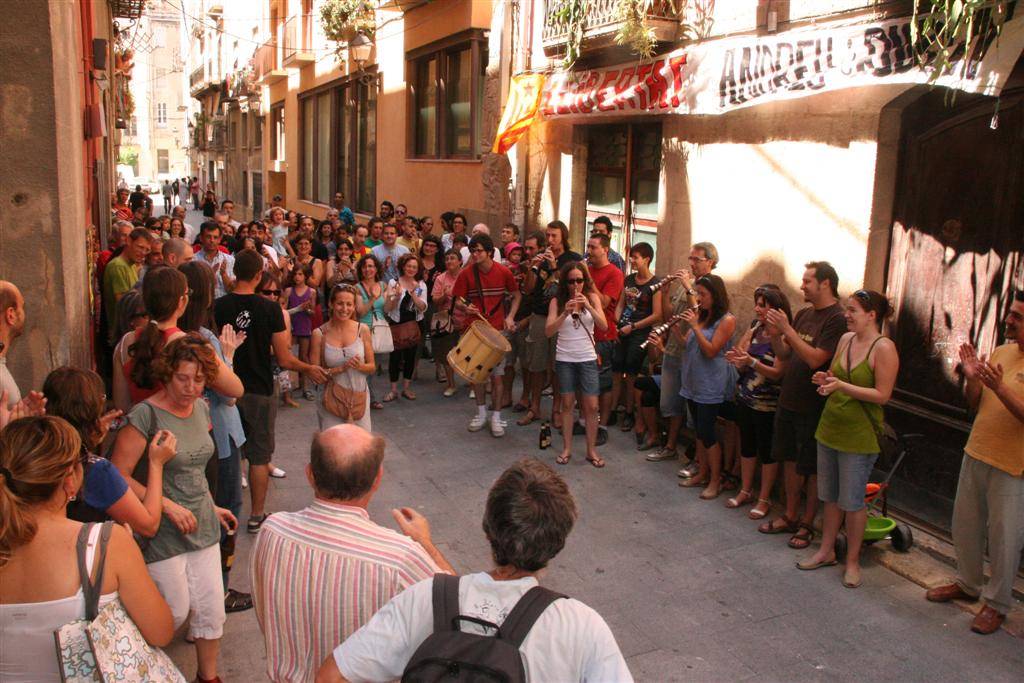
318, 575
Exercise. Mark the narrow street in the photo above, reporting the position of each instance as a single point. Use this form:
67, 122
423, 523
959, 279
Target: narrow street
689, 588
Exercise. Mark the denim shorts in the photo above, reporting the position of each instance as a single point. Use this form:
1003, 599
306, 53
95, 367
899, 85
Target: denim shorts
843, 477
581, 377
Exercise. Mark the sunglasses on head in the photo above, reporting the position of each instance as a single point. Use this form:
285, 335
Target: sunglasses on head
862, 295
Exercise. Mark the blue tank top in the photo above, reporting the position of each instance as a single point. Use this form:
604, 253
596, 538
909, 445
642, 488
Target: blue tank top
376, 311
703, 379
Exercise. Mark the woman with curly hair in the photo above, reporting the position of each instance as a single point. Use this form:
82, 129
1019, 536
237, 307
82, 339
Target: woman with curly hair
184, 556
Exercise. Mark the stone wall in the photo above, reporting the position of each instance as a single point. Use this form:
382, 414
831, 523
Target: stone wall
43, 224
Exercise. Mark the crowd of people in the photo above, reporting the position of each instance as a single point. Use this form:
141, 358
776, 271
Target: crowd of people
207, 331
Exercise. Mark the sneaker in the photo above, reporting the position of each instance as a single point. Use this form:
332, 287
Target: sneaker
472, 394
497, 428
450, 391
665, 453
278, 473
689, 471
477, 423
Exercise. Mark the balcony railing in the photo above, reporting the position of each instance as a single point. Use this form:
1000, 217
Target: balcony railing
196, 77
268, 66
297, 42
601, 23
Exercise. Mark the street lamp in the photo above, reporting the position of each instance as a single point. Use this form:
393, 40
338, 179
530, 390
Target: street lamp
359, 49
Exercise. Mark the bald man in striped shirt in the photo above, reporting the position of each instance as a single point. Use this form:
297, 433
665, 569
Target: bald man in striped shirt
320, 573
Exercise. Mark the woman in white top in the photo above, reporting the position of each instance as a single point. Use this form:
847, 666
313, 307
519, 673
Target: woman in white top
40, 589
345, 347
405, 300
572, 315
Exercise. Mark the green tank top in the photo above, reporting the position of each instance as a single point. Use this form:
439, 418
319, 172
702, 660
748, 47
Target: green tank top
848, 424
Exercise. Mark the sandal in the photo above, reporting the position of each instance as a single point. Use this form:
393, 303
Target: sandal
254, 523
389, 397
770, 527
408, 395
706, 495
596, 462
729, 482
526, 419
563, 459
755, 513
694, 482
237, 602
376, 405
744, 498
801, 539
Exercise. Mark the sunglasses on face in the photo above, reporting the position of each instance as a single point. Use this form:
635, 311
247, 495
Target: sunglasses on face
271, 292
574, 280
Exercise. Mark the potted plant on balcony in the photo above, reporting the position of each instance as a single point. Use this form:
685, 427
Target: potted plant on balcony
342, 20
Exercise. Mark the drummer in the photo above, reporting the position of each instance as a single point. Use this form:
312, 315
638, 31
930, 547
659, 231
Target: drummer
480, 292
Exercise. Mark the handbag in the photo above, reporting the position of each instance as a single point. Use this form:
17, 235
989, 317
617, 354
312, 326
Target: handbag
406, 335
342, 402
380, 331
107, 646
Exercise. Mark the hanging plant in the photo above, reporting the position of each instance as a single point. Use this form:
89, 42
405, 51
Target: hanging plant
341, 20
571, 17
942, 30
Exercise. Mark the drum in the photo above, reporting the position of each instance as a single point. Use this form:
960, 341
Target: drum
479, 351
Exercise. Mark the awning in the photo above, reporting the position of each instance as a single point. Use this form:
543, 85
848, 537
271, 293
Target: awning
719, 76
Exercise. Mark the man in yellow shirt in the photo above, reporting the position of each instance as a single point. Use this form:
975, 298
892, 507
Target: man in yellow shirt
990, 494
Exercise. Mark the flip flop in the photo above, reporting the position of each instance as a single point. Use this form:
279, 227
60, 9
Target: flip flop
806, 566
563, 459
376, 405
406, 394
596, 462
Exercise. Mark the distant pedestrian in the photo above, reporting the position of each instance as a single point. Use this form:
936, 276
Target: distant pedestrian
167, 191
193, 189
990, 494
137, 199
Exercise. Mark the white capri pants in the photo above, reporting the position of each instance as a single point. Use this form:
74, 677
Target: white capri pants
192, 583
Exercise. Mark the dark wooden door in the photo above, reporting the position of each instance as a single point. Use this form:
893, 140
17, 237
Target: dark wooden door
955, 258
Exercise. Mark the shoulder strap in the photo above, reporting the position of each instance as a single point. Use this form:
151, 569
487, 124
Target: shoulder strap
480, 293
520, 620
446, 602
92, 587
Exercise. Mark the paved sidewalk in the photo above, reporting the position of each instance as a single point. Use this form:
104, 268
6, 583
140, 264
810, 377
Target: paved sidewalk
689, 588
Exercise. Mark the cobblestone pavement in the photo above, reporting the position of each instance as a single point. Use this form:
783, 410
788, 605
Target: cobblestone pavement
689, 588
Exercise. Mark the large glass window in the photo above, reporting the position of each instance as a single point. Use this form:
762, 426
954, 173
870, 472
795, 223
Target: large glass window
426, 107
323, 148
277, 132
339, 136
308, 134
446, 91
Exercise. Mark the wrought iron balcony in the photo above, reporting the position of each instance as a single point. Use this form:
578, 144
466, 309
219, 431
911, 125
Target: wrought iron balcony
268, 64
601, 23
298, 42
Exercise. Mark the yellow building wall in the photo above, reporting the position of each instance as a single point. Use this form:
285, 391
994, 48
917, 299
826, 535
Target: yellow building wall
427, 187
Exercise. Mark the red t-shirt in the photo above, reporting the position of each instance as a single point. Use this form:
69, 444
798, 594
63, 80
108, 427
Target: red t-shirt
494, 284
609, 280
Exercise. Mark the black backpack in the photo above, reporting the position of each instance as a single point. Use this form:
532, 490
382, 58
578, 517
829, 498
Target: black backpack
451, 655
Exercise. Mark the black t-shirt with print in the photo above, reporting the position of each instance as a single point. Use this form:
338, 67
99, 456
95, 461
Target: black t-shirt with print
260, 318
639, 299
547, 283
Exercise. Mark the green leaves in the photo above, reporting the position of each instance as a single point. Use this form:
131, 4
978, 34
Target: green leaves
951, 33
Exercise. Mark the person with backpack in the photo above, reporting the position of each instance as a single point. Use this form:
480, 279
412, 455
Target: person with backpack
448, 625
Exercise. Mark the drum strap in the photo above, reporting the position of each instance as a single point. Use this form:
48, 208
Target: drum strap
480, 293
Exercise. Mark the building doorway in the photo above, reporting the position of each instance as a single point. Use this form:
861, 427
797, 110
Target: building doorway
623, 177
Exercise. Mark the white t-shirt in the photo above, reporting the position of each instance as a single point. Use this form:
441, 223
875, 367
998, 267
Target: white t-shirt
569, 642
8, 384
190, 234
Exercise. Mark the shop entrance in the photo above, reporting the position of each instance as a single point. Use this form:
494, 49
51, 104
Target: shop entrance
623, 174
